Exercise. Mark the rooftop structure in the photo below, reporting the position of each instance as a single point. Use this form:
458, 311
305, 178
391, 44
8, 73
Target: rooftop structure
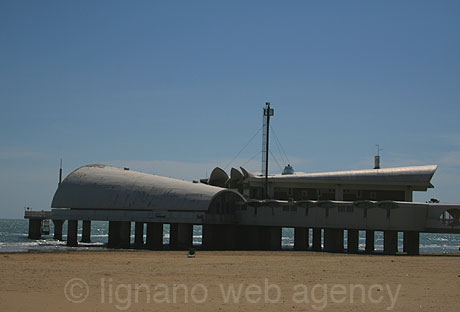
372, 184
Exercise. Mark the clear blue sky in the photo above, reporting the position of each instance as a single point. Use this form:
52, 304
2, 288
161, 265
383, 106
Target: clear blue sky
177, 87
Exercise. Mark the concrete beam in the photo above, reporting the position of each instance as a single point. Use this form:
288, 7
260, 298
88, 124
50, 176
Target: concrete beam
139, 234
58, 229
180, 236
72, 229
86, 232
301, 239
353, 241
370, 241
154, 235
390, 242
35, 228
316, 243
412, 243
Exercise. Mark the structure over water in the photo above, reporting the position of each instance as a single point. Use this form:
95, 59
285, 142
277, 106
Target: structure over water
247, 211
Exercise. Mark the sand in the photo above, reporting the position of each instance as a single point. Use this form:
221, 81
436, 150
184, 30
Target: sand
262, 281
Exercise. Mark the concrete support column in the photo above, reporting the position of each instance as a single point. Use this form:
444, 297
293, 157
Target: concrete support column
412, 242
390, 242
35, 228
316, 243
209, 236
125, 234
301, 238
254, 238
86, 232
58, 229
353, 241
72, 229
370, 241
180, 236
154, 235
114, 234
333, 240
139, 234
272, 238
228, 237
243, 233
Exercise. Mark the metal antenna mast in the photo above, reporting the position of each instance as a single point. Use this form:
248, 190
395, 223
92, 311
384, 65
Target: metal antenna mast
265, 144
60, 173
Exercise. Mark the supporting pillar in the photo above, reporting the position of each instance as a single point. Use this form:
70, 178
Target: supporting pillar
125, 234
370, 241
114, 234
301, 238
209, 236
333, 240
412, 242
316, 244
35, 228
353, 241
139, 234
272, 236
228, 237
390, 242
405, 241
254, 241
154, 235
180, 236
72, 227
58, 229
86, 232
242, 237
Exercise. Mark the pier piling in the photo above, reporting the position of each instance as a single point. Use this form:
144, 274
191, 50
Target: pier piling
139, 234
370, 241
86, 232
72, 230
390, 242
35, 228
353, 241
301, 238
58, 229
154, 239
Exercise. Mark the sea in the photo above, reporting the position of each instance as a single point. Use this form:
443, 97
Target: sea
13, 238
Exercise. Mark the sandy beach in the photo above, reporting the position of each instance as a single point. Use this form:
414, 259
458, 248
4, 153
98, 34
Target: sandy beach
227, 281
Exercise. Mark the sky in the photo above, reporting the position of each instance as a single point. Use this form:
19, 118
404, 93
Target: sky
177, 88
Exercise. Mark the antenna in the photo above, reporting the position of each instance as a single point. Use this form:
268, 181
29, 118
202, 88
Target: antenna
265, 143
377, 157
60, 173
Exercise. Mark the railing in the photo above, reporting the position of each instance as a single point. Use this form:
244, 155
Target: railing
28, 214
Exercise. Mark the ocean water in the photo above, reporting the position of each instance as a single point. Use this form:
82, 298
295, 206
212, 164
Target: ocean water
13, 238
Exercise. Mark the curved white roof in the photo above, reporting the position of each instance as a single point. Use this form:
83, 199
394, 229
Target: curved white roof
414, 176
104, 187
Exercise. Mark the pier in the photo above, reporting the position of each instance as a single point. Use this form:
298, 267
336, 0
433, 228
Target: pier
230, 221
